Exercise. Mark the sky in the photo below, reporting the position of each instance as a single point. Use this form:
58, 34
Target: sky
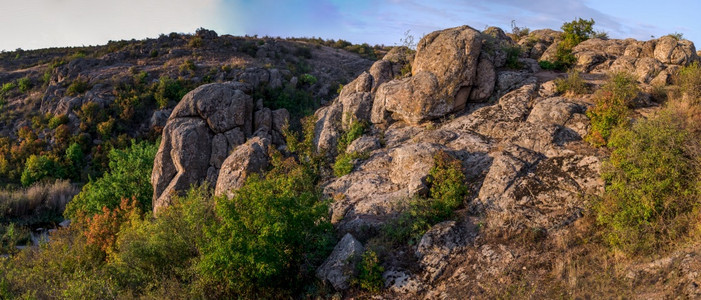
33, 24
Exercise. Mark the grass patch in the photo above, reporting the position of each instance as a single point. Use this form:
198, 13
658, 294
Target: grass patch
572, 84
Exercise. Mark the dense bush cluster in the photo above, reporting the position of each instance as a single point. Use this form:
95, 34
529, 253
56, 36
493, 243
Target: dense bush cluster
266, 241
652, 193
129, 176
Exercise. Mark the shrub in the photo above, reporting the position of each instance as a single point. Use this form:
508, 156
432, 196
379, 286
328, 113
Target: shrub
195, 42
447, 185
297, 101
308, 79
6, 87
169, 90
77, 87
89, 114
128, 176
652, 189
573, 83
249, 47
75, 159
574, 33
355, 130
267, 233
519, 32
103, 228
344, 163
689, 81
66, 266
57, 120
188, 66
610, 109
149, 253
39, 167
512, 55
677, 36
370, 273
25, 84
12, 236
104, 129
303, 52
547, 65
447, 192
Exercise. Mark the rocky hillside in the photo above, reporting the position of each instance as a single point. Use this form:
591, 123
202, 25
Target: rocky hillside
92, 96
530, 175
471, 167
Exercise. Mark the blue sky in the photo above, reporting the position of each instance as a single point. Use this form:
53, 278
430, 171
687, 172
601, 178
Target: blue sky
31, 24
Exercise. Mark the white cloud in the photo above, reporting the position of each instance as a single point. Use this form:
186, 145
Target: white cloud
31, 24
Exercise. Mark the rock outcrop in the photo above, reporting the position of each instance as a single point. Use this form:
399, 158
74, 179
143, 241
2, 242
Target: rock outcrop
201, 132
649, 61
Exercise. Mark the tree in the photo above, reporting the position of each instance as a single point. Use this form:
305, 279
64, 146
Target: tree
128, 176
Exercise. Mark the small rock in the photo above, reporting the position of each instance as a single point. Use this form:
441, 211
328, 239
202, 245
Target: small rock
339, 267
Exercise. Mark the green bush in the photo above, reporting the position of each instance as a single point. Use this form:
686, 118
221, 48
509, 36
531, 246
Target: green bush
611, 107
168, 90
39, 167
298, 102
75, 160
344, 163
547, 65
370, 273
12, 236
77, 87
447, 185
308, 79
652, 189
188, 66
447, 192
6, 87
57, 120
512, 55
151, 253
128, 176
573, 83
25, 84
355, 130
689, 81
267, 233
574, 33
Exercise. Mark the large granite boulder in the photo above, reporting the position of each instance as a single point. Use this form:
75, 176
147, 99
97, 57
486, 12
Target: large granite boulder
444, 73
246, 159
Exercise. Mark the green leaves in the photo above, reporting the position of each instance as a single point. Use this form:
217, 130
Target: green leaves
129, 176
270, 228
651, 185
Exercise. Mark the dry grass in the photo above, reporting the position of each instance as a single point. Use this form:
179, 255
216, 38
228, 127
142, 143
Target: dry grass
42, 199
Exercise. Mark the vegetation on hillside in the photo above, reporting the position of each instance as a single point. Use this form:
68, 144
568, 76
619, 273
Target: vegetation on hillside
574, 32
